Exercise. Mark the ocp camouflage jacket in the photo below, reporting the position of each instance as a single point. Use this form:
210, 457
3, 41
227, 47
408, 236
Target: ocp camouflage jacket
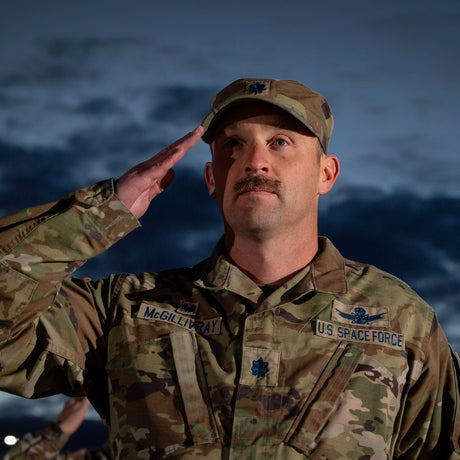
343, 361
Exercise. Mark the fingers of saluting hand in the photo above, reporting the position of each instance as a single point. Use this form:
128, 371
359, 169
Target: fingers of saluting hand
143, 182
72, 415
170, 155
158, 166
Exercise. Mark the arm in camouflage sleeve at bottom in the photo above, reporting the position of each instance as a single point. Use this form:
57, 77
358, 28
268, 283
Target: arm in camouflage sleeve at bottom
430, 424
39, 248
48, 442
45, 443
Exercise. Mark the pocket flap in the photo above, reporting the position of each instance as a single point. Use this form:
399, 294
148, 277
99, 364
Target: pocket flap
324, 397
193, 387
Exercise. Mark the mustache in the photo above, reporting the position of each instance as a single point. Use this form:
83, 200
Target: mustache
252, 182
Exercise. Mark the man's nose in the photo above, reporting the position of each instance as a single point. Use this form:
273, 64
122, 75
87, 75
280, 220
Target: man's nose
257, 159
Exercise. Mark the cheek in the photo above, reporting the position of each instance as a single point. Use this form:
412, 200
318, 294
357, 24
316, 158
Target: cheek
307, 180
224, 175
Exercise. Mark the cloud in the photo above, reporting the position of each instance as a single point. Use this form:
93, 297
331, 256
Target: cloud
58, 60
14, 79
38, 180
397, 228
180, 103
75, 87
7, 101
407, 158
424, 26
100, 107
78, 49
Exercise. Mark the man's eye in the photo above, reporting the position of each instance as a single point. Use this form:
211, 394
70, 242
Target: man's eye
280, 142
232, 143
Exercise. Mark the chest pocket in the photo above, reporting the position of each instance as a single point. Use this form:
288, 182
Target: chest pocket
324, 398
296, 411
158, 394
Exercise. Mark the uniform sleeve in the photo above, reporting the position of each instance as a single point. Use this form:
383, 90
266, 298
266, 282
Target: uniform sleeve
103, 452
50, 323
430, 424
45, 443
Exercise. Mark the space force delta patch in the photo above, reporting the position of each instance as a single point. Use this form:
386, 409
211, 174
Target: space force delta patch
206, 327
360, 335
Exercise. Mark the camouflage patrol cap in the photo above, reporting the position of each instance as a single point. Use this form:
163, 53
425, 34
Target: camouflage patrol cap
307, 106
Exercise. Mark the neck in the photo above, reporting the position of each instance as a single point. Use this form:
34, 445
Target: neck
272, 261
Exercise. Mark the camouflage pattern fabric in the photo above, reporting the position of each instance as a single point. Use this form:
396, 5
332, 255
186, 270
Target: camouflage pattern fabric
308, 106
46, 444
343, 361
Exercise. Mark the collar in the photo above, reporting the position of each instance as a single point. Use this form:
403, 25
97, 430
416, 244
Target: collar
328, 269
325, 274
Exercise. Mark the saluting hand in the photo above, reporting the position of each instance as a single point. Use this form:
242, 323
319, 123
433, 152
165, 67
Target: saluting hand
137, 187
72, 415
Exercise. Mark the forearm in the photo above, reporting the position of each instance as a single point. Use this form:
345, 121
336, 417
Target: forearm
430, 425
43, 313
39, 251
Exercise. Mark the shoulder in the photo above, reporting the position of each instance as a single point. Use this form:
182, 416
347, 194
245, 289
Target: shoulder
365, 279
175, 278
372, 286
156, 280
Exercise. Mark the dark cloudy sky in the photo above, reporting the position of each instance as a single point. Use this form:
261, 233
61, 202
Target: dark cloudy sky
90, 88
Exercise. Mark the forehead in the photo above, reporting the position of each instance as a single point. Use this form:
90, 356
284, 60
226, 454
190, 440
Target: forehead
258, 113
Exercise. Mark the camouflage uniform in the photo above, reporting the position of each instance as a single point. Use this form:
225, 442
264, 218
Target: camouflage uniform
47, 444
341, 361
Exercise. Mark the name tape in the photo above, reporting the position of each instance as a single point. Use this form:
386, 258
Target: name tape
375, 336
206, 327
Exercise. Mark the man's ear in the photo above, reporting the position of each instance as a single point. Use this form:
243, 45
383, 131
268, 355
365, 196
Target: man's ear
330, 168
209, 177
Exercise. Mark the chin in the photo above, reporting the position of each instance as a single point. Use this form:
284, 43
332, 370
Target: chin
257, 225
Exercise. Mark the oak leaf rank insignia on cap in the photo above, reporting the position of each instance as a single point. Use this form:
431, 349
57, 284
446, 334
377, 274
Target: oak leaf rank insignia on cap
304, 104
